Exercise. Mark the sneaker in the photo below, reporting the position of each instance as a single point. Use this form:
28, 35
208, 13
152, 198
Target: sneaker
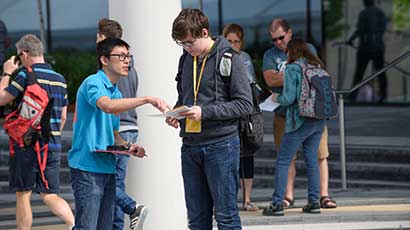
274, 210
313, 208
138, 217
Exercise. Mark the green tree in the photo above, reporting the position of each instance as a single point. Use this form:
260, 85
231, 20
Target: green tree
334, 25
401, 15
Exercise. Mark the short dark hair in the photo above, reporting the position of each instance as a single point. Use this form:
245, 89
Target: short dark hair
105, 47
109, 28
189, 21
277, 23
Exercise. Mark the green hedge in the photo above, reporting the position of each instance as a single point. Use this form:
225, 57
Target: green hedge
74, 65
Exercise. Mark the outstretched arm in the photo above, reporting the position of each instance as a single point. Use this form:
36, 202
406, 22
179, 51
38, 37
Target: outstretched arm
120, 105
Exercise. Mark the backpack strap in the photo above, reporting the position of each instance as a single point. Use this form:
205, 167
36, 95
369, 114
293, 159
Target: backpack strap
42, 162
224, 65
255, 96
181, 66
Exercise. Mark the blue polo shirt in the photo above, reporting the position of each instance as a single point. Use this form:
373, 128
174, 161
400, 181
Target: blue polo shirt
93, 128
55, 84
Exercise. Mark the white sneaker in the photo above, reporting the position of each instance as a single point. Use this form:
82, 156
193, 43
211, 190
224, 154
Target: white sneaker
138, 217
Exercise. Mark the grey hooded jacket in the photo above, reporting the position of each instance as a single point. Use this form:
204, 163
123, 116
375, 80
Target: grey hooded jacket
223, 100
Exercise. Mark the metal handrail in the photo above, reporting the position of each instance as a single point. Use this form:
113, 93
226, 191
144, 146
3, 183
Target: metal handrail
390, 65
340, 44
340, 93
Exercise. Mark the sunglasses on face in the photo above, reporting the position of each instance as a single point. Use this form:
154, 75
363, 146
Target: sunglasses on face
278, 38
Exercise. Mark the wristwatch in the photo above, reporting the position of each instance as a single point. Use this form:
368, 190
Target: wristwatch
4, 74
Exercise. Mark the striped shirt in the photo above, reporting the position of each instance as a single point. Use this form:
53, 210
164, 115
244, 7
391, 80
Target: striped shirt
55, 84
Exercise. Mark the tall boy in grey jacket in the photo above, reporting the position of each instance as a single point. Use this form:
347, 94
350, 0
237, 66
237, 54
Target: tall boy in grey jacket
209, 131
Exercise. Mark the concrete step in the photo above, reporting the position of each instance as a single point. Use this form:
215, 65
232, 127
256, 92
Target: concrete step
38, 223
294, 216
267, 181
355, 170
353, 153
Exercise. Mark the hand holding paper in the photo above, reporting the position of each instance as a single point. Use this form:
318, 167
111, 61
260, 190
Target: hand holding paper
194, 113
274, 97
178, 112
270, 103
175, 113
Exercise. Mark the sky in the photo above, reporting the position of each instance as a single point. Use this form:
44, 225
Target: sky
65, 14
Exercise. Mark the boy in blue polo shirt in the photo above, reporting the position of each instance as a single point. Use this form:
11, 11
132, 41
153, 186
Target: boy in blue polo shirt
96, 126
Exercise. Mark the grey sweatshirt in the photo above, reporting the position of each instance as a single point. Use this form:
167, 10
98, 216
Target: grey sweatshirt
128, 87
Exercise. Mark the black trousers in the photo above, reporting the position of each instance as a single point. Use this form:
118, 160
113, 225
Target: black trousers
362, 59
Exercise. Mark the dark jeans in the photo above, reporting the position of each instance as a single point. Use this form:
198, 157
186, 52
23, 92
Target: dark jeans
362, 59
123, 202
308, 135
94, 195
210, 175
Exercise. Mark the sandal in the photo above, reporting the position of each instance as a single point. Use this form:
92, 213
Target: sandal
250, 207
288, 203
327, 202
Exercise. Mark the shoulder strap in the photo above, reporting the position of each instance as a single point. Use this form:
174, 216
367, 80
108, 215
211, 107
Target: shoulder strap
181, 66
224, 65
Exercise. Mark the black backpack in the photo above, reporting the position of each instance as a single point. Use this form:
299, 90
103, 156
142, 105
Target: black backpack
251, 127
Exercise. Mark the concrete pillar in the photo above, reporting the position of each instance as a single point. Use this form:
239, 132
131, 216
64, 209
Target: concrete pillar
156, 180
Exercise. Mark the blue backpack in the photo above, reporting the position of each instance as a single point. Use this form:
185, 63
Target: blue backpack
317, 96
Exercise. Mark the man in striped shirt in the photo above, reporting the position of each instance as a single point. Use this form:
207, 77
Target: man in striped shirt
23, 167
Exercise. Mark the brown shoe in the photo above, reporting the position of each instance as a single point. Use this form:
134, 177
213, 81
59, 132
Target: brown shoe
250, 207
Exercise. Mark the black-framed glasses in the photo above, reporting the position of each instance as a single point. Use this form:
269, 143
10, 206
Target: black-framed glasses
123, 56
234, 41
186, 43
279, 38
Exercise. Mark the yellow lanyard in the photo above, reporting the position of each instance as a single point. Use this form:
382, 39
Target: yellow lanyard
197, 84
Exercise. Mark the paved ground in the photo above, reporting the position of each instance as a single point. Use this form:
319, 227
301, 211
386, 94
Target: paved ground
357, 209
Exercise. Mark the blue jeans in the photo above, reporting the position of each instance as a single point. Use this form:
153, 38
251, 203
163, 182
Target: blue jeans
308, 135
210, 175
94, 195
123, 202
